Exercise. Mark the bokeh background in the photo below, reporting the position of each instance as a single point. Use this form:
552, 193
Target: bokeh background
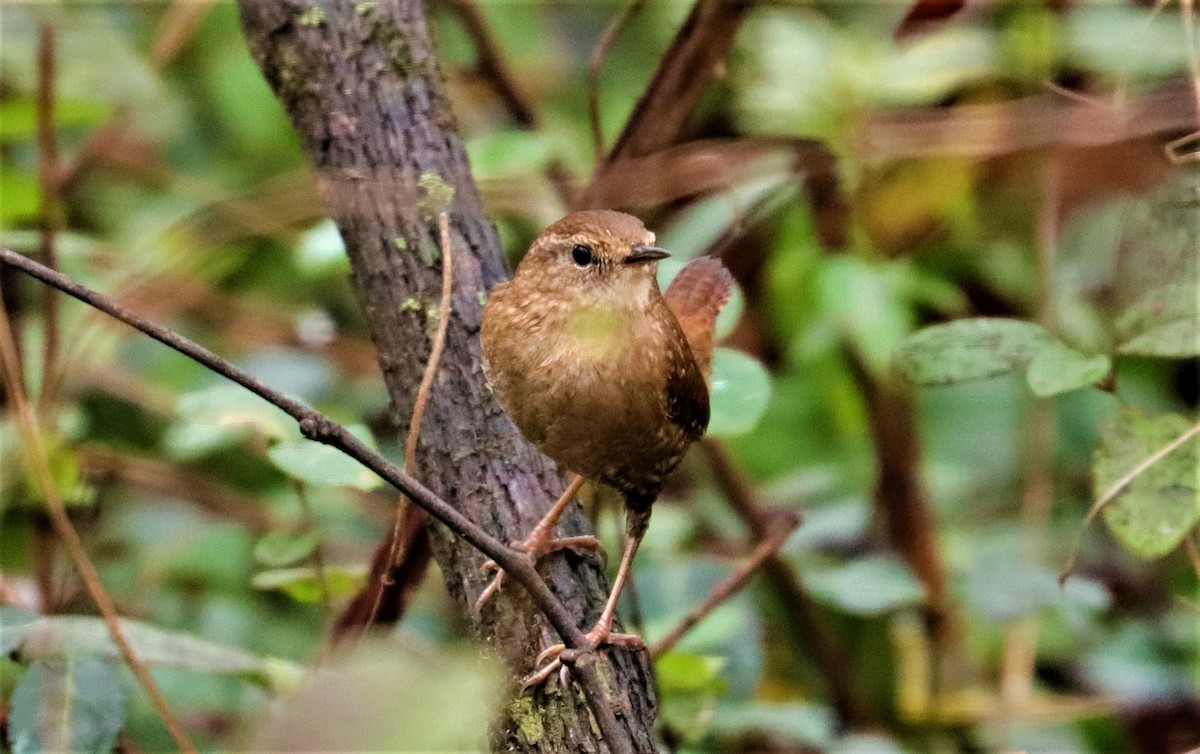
866, 169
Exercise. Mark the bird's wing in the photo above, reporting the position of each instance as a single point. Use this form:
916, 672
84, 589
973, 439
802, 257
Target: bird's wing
696, 296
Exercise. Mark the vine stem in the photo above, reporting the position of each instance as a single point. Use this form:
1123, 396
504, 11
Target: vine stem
418, 413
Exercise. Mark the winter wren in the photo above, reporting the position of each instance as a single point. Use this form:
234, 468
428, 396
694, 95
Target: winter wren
600, 370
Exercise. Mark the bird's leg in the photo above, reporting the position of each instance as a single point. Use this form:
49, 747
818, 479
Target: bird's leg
540, 542
601, 633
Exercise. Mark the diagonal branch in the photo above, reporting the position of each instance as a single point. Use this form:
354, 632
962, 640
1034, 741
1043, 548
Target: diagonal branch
684, 72
767, 548
316, 426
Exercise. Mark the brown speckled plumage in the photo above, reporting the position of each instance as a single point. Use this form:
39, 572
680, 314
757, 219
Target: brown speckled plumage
591, 363
602, 372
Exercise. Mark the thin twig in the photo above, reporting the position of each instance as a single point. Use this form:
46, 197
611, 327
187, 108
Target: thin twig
490, 62
320, 428
418, 413
685, 70
39, 466
788, 521
176, 29
47, 141
1117, 488
596, 64
435, 351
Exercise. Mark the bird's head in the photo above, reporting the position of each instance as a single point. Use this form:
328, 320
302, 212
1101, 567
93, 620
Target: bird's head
594, 255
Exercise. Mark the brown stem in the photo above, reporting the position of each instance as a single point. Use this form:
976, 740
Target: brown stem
685, 70
381, 579
900, 499
732, 584
47, 141
490, 61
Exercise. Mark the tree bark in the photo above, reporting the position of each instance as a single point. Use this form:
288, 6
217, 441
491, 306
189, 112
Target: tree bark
362, 87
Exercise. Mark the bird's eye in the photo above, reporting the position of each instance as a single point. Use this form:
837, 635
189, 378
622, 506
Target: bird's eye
581, 255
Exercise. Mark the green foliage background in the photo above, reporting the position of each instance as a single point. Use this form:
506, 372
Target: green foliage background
205, 510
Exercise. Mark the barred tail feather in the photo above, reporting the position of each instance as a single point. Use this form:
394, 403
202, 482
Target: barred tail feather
696, 296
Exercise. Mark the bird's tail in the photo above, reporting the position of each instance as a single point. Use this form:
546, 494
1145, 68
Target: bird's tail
696, 296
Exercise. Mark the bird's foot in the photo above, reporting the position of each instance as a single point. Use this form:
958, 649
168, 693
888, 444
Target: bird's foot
557, 656
537, 546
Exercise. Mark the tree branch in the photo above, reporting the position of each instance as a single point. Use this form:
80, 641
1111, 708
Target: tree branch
318, 427
732, 584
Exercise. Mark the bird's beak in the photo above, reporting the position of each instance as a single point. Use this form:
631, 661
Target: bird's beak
640, 254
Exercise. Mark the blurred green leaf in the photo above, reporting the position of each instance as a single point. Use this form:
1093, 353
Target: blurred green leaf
61, 637
299, 374
383, 698
18, 116
690, 673
185, 441
67, 704
740, 392
304, 585
868, 586
1157, 275
232, 407
321, 251
1032, 42
804, 724
866, 743
869, 305
22, 196
1003, 588
507, 152
1125, 41
1161, 505
69, 483
1059, 369
1134, 665
1165, 322
934, 66
282, 548
970, 349
12, 622
322, 465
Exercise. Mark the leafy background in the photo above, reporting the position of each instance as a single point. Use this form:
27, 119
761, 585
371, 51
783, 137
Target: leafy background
231, 541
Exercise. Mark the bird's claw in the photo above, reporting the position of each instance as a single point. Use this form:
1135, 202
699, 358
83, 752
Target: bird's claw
536, 547
553, 656
559, 657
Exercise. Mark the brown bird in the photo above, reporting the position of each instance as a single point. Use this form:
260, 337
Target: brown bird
602, 372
